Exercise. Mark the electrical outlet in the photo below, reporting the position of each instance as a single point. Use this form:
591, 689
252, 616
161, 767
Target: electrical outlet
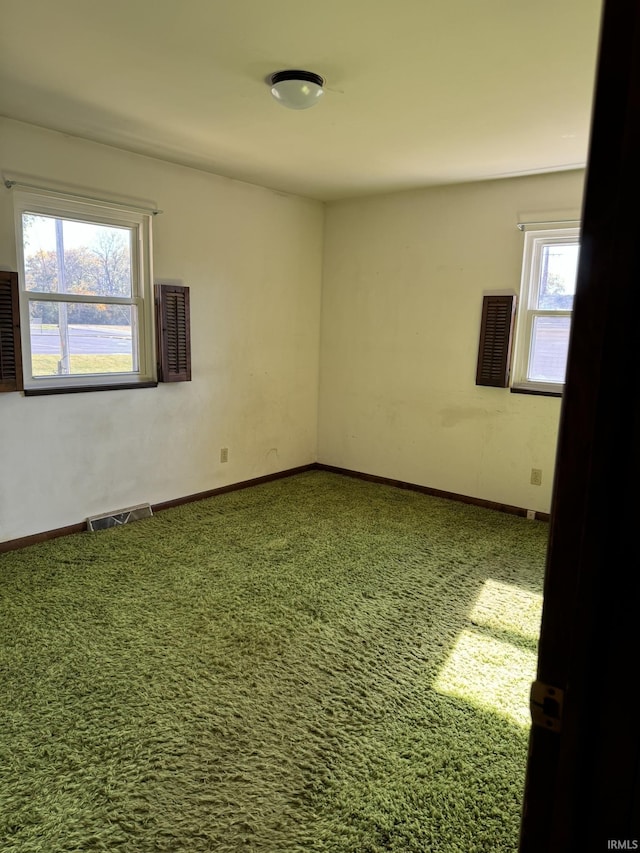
224, 454
531, 514
536, 476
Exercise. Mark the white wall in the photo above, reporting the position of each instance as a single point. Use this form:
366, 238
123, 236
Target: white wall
252, 258
404, 276
403, 279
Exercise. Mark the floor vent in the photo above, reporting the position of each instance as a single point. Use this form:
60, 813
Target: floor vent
121, 516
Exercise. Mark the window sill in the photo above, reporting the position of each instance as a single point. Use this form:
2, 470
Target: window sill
538, 391
78, 389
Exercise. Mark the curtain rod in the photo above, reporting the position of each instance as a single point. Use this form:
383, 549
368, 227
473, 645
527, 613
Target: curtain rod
522, 225
152, 210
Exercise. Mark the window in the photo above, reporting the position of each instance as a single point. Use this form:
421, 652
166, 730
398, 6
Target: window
546, 304
86, 306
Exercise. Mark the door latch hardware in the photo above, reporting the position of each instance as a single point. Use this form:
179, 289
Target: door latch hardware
546, 706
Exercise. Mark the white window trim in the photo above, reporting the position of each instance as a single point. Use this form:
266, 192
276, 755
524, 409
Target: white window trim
534, 240
68, 207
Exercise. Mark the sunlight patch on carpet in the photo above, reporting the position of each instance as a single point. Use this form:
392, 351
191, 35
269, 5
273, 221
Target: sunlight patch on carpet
493, 662
508, 608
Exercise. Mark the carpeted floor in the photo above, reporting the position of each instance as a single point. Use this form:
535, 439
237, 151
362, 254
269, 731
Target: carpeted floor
314, 664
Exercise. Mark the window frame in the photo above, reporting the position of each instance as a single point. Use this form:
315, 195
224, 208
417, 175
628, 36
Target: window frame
534, 243
139, 225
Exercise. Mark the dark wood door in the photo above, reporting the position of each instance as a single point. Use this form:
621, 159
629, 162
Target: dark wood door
582, 791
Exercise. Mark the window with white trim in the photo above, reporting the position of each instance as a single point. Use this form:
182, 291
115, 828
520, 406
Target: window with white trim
548, 286
86, 302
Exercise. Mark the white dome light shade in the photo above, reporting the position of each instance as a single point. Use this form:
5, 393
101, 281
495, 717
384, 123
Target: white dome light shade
296, 90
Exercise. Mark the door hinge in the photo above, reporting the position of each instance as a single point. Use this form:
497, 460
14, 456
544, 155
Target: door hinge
546, 706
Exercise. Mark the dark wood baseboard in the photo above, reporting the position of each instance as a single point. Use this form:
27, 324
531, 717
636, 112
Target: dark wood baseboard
428, 490
81, 527
24, 541
233, 487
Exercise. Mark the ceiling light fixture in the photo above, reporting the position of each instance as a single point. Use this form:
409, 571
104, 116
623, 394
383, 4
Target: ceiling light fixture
296, 90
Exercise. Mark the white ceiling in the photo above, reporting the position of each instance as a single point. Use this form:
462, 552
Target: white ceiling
418, 92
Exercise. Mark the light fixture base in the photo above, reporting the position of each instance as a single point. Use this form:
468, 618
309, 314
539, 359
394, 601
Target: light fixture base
296, 89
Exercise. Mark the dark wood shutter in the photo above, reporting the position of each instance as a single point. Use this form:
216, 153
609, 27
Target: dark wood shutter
496, 332
10, 352
173, 333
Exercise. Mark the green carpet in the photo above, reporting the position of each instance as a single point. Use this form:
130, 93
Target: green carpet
313, 664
